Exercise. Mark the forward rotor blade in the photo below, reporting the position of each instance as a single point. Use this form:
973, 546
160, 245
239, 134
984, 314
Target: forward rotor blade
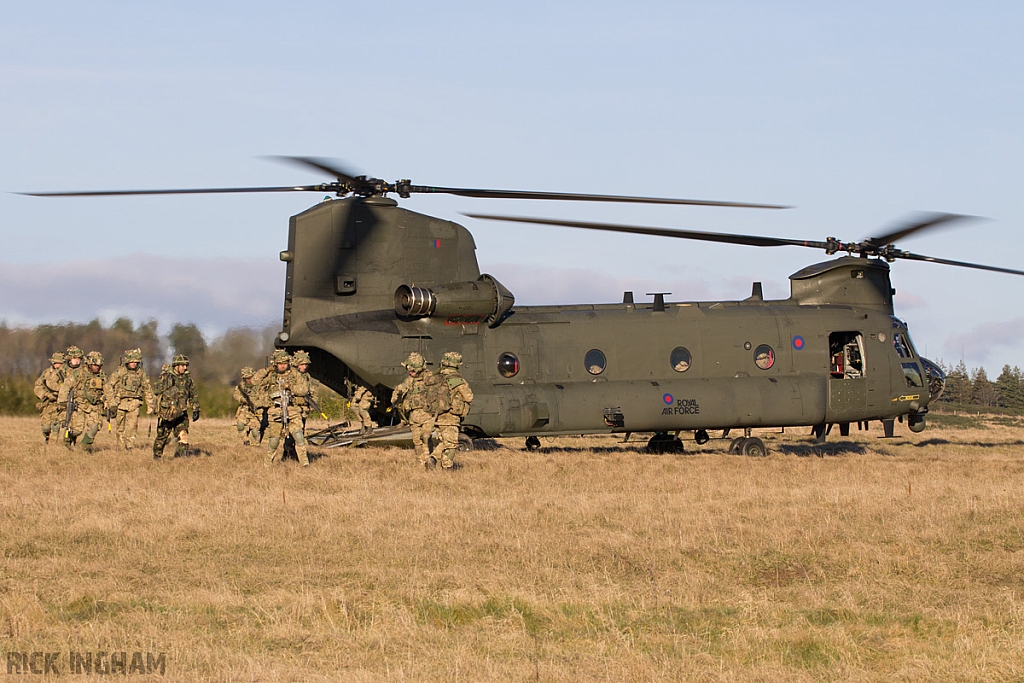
326, 165
210, 190
727, 238
573, 197
962, 264
929, 221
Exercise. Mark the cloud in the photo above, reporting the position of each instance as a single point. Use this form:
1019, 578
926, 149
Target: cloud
981, 341
213, 293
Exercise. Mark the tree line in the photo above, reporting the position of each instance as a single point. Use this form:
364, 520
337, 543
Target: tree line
214, 364
974, 388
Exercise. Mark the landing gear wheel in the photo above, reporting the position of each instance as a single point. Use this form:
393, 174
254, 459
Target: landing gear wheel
532, 443
701, 437
465, 443
663, 442
736, 445
753, 447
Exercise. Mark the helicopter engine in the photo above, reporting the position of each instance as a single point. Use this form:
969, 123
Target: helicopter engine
459, 303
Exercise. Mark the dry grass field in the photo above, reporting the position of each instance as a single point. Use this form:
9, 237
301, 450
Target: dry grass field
881, 560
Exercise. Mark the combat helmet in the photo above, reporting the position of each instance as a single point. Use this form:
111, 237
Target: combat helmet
179, 359
452, 359
57, 357
94, 358
280, 356
300, 358
74, 352
414, 362
247, 372
132, 356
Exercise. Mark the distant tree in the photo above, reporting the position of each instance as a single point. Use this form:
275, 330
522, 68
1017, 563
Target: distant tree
958, 385
983, 392
187, 339
1008, 387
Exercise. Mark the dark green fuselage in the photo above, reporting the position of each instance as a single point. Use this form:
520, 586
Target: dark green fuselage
832, 355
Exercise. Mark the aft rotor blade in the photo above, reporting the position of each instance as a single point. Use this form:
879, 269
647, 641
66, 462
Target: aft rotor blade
930, 221
727, 238
573, 197
209, 190
931, 259
326, 165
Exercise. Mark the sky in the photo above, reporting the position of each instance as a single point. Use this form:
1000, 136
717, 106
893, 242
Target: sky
859, 115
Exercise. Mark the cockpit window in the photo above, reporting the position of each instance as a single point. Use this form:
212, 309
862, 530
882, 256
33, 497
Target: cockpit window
902, 344
912, 374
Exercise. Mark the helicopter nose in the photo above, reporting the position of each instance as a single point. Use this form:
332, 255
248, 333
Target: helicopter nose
936, 378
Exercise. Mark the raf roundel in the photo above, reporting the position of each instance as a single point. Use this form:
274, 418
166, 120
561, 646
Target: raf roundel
798, 342
667, 398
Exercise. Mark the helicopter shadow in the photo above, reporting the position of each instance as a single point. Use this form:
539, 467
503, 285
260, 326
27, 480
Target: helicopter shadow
806, 450
978, 444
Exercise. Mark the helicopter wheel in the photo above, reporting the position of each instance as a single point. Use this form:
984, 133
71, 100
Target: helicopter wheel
753, 447
465, 443
701, 437
663, 442
736, 446
532, 443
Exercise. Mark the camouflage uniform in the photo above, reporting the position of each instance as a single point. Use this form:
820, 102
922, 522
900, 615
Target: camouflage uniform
246, 419
261, 399
448, 422
410, 397
300, 361
362, 400
127, 388
85, 386
283, 385
176, 397
46, 389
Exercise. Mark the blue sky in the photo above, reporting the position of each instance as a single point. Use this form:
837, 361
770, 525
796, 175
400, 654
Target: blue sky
857, 114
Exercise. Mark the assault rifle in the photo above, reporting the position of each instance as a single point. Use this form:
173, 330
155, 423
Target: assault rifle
285, 397
72, 407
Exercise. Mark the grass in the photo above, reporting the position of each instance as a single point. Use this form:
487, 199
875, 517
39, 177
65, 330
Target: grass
884, 559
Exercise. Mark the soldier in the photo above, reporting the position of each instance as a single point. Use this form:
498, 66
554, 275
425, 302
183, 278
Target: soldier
246, 420
362, 400
83, 390
449, 421
411, 399
127, 388
46, 389
176, 397
284, 385
309, 402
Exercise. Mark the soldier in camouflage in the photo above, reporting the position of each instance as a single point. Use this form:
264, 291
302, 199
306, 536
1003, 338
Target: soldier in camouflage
127, 388
414, 406
449, 421
284, 385
362, 400
246, 419
305, 404
46, 389
176, 398
84, 387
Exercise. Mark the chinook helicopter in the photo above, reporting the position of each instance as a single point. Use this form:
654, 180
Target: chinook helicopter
368, 282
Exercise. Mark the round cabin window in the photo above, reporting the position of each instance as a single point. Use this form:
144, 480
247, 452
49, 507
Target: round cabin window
680, 359
764, 356
508, 365
595, 362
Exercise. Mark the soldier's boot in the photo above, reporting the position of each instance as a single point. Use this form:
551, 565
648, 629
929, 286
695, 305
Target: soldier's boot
46, 436
272, 445
87, 442
430, 463
448, 459
300, 447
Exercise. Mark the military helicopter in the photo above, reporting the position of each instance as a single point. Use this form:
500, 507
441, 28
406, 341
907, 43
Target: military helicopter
368, 282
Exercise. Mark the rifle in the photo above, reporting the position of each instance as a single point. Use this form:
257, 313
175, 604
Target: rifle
314, 404
285, 397
109, 420
72, 407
